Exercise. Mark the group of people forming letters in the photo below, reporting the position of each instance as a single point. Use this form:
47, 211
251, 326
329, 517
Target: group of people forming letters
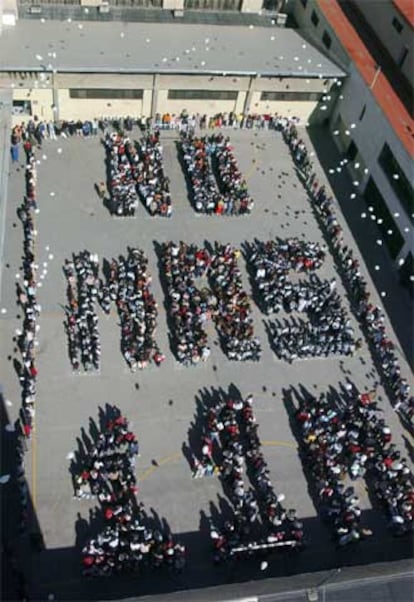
137, 169
218, 187
230, 447
274, 265
225, 301
129, 540
128, 286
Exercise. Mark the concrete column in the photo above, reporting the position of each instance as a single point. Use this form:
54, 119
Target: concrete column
251, 6
249, 95
147, 102
154, 101
55, 95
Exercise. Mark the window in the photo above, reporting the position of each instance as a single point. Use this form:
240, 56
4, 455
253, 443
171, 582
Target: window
352, 151
326, 40
403, 56
406, 271
202, 94
314, 18
374, 198
316, 96
22, 107
397, 179
397, 25
361, 116
105, 93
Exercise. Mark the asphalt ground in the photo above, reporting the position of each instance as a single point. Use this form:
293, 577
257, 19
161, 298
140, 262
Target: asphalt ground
161, 403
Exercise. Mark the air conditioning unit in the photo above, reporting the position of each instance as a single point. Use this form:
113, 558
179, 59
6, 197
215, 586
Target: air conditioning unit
281, 19
104, 7
34, 10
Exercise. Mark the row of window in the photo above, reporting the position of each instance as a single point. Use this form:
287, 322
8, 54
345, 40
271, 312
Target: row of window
102, 93
397, 179
326, 38
291, 96
202, 94
106, 93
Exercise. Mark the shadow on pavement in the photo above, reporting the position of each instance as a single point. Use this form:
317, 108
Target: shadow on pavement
397, 302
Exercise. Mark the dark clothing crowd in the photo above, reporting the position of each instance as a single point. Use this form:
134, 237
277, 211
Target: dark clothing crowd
349, 439
226, 302
27, 297
121, 176
371, 317
232, 314
231, 447
82, 273
153, 184
129, 286
136, 168
228, 194
126, 543
329, 329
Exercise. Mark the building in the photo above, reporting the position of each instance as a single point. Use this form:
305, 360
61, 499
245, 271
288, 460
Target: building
77, 70
372, 121
343, 62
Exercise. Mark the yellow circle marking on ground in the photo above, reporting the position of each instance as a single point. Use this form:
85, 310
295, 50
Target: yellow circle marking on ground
171, 458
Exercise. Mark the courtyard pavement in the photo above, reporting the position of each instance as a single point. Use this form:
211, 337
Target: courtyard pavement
161, 403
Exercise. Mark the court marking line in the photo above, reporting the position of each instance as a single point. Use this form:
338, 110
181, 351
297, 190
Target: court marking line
172, 457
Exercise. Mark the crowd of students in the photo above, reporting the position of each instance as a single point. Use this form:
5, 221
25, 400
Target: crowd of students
120, 174
371, 317
232, 312
189, 308
350, 439
82, 273
27, 297
37, 130
204, 155
137, 167
233, 187
153, 184
329, 329
226, 302
231, 447
127, 543
129, 286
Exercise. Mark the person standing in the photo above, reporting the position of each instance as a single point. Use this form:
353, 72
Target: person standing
101, 190
14, 149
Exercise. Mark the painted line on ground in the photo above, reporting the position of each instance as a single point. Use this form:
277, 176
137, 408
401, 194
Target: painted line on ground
172, 457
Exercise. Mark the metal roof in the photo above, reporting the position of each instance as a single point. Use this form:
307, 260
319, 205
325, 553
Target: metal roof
117, 47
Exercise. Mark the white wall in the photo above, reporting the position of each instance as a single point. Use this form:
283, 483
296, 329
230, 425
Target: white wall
103, 80
86, 108
203, 82
208, 107
41, 99
301, 109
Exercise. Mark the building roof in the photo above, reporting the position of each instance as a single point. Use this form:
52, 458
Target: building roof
406, 8
386, 98
117, 47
